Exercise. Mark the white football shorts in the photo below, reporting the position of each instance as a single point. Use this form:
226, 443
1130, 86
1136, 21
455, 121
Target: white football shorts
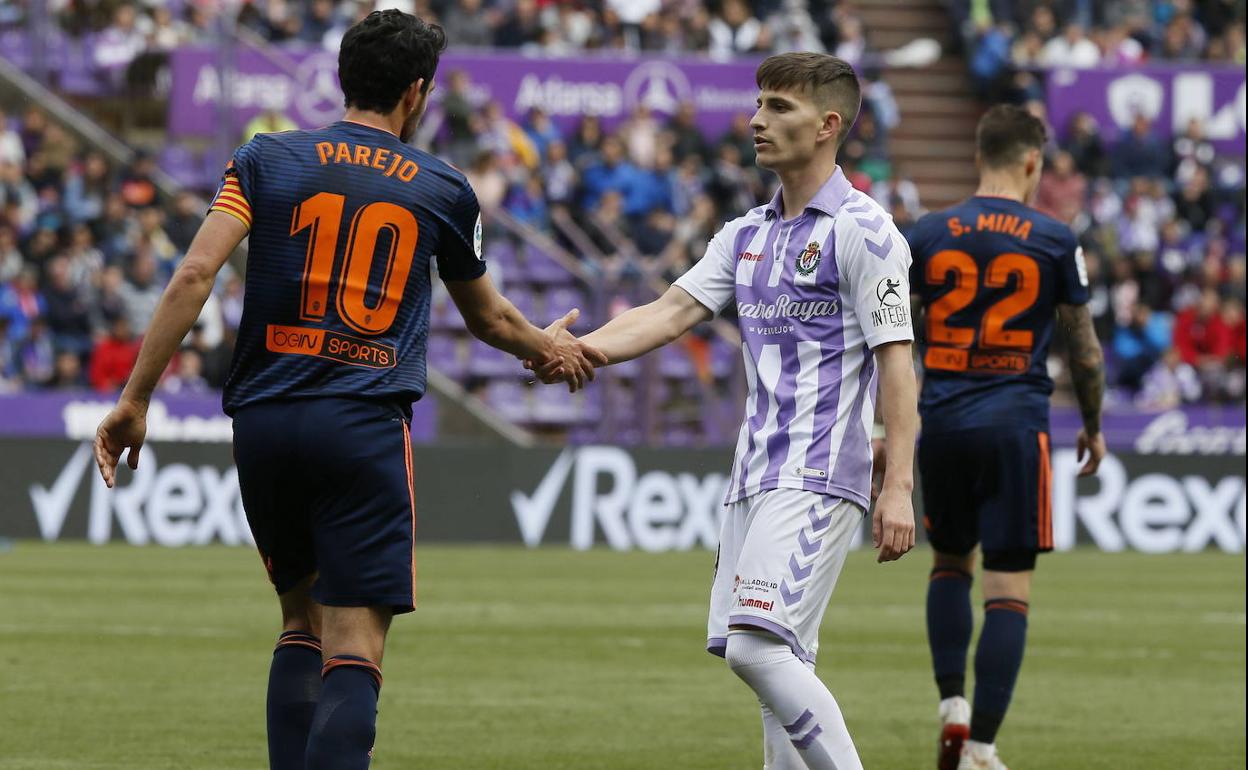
780, 553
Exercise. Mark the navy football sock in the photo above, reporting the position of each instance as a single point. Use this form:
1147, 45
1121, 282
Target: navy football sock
346, 716
294, 686
949, 625
997, 661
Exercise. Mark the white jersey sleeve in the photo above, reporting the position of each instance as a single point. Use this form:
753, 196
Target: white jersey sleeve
712, 281
875, 269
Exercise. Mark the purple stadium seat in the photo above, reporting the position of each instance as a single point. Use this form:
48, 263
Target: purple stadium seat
509, 398
724, 358
79, 75
540, 267
554, 405
485, 361
676, 363
561, 299
445, 355
526, 302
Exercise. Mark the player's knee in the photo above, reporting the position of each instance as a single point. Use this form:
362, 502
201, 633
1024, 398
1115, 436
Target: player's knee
748, 649
962, 562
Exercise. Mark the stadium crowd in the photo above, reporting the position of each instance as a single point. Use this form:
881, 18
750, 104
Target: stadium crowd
85, 247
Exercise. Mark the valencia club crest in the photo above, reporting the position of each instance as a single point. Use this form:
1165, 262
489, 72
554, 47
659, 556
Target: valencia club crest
808, 260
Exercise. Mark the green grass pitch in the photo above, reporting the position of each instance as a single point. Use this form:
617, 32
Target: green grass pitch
139, 658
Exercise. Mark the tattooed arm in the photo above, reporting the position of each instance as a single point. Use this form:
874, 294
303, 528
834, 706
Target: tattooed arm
1087, 371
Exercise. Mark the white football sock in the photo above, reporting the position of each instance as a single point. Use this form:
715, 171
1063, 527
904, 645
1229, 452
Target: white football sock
778, 752
805, 709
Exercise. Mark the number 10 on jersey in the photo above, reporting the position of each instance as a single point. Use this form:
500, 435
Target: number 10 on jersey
322, 216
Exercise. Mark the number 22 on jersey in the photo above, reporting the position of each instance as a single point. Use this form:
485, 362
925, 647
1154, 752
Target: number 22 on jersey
988, 347
322, 215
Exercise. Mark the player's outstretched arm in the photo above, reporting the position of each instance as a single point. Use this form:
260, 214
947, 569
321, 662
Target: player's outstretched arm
642, 329
892, 523
494, 320
180, 305
1087, 372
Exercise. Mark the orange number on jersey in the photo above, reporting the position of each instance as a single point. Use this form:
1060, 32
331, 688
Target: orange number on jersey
965, 277
323, 214
992, 332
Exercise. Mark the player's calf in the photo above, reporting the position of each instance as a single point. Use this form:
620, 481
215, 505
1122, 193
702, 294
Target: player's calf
801, 702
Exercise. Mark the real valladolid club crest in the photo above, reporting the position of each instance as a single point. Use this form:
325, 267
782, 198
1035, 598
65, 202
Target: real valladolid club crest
808, 260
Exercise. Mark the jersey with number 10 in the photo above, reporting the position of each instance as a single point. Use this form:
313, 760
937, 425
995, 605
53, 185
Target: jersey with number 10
991, 272
344, 222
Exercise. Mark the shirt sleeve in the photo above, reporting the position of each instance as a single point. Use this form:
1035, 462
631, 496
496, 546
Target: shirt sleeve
460, 255
712, 281
1072, 272
875, 268
237, 186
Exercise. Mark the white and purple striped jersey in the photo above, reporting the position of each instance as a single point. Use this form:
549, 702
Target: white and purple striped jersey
814, 295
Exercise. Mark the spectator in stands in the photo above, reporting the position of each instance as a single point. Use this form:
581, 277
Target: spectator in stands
12, 152
121, 42
487, 180
1192, 150
520, 27
11, 259
1072, 48
615, 174
113, 357
467, 24
269, 121
898, 191
559, 176
1085, 146
1169, 384
1194, 201
1204, 340
38, 354
86, 188
22, 303
187, 375
1062, 189
66, 371
10, 369
319, 21
1138, 345
137, 188
108, 303
1140, 153
66, 309
641, 136
18, 196
141, 290
734, 32
183, 221
541, 130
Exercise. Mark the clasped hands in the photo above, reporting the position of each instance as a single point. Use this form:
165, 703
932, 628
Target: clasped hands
570, 360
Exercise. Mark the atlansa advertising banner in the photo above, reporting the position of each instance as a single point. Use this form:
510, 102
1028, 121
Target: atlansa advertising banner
648, 499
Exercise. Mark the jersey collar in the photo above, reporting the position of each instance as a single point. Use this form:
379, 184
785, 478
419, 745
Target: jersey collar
828, 200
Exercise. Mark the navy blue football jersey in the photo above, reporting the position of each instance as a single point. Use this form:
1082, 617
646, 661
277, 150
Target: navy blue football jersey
990, 273
344, 223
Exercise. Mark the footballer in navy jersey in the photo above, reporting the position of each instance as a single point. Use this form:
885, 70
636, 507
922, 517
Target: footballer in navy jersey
994, 278
344, 224
990, 273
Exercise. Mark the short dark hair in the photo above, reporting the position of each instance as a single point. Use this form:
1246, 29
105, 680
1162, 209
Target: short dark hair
1005, 133
383, 54
831, 81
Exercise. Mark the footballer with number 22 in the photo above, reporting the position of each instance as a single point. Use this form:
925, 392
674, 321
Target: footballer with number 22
344, 223
992, 275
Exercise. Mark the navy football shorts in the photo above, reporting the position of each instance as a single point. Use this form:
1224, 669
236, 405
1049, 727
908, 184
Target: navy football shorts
327, 486
990, 486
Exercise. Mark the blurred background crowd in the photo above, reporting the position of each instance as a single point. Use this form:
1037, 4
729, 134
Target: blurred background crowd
86, 246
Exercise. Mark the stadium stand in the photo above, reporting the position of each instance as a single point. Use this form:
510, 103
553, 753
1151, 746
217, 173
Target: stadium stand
603, 219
